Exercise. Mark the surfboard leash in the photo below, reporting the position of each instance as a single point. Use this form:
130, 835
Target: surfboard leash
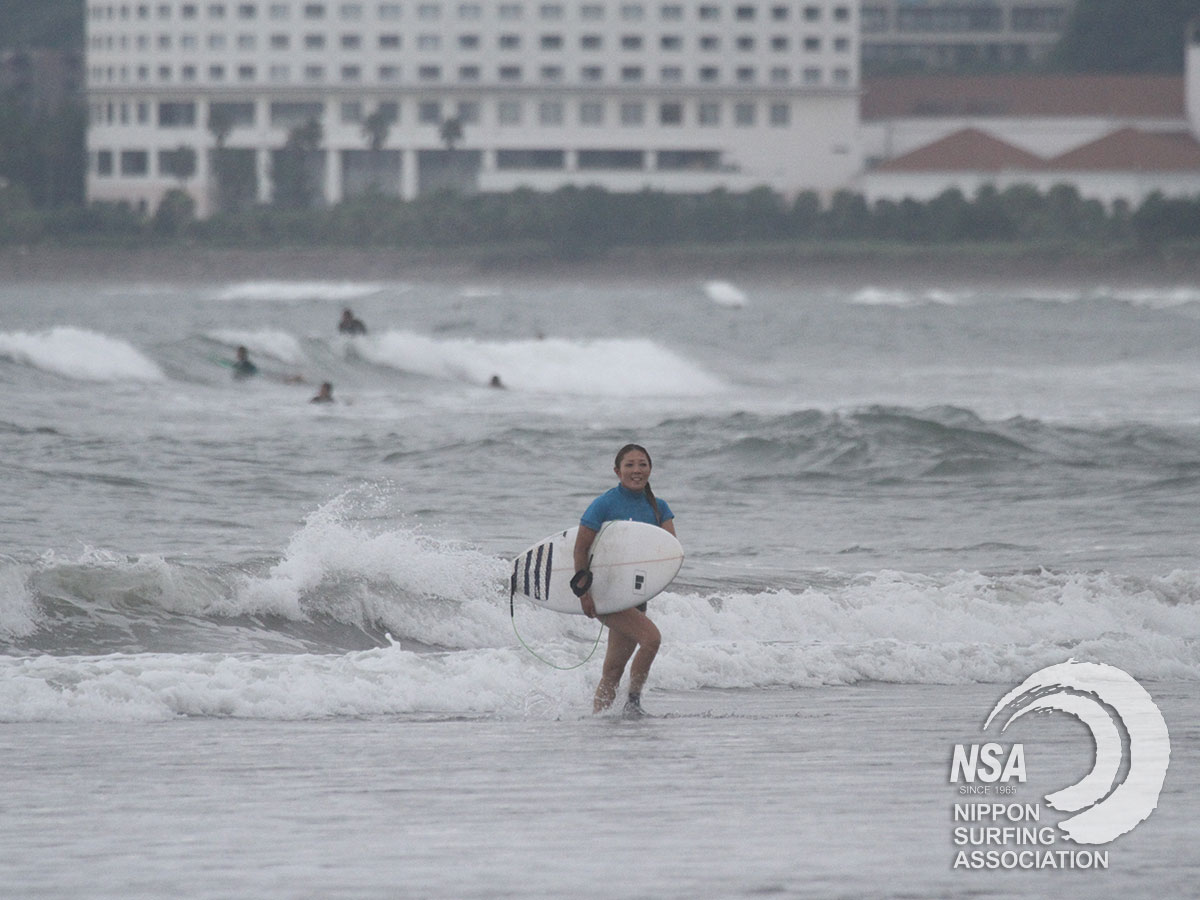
512, 617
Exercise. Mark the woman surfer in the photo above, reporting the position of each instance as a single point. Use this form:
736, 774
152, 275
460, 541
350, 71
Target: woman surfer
631, 629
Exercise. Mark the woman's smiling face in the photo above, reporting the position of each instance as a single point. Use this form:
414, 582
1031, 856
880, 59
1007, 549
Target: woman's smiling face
634, 470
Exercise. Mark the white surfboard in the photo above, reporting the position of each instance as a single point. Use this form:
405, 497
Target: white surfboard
631, 562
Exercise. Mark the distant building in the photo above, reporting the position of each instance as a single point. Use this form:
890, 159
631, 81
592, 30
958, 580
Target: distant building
941, 35
663, 94
1114, 137
42, 79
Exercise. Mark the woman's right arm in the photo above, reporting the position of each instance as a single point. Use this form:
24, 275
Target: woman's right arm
583, 546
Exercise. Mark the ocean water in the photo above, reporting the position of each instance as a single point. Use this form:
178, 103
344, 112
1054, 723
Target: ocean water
254, 646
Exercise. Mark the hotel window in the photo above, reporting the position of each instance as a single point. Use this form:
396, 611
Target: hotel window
631, 74
429, 73
470, 11
468, 112
744, 13
164, 73
780, 44
164, 42
551, 73
670, 42
468, 42
176, 115
780, 115
510, 42
670, 113
510, 11
351, 112
780, 75
468, 73
591, 112
780, 13
431, 42
350, 12
551, 42
672, 12
591, 12
247, 41
389, 12
216, 10
508, 112
104, 162
812, 44
189, 42
591, 42
744, 114
841, 76
314, 42
429, 12
812, 75
314, 11
279, 11
710, 74
710, 43
164, 11
314, 73
551, 11
429, 112
279, 73
633, 114
390, 110
670, 75
841, 45
709, 113
710, 13
246, 73
143, 73
812, 14
389, 73
389, 42
143, 42
841, 14
550, 112
143, 113
351, 73
510, 73
632, 12
135, 162
351, 42
188, 11
216, 42
746, 75
187, 73
280, 42
631, 42
745, 43
591, 73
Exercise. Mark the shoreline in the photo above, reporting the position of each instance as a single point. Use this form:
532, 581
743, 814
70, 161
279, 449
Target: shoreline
804, 264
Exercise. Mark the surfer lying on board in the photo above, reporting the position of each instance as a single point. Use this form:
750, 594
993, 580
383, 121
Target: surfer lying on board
630, 629
242, 367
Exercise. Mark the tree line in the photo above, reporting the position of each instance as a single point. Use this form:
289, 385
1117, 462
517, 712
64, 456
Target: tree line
575, 222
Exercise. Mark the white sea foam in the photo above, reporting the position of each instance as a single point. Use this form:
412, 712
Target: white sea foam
296, 291
725, 293
612, 367
19, 614
79, 354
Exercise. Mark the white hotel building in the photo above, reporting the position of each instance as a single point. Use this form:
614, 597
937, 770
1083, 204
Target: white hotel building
675, 95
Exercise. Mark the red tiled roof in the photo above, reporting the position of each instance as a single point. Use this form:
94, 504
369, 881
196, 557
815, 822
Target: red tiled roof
928, 96
1131, 150
967, 150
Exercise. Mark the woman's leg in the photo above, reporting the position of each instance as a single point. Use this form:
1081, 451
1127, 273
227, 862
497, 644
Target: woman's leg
628, 631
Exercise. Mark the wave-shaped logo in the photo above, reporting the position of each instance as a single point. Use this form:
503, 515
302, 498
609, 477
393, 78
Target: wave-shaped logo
1089, 691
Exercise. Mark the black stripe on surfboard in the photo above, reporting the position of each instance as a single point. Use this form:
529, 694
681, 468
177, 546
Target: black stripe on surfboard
537, 572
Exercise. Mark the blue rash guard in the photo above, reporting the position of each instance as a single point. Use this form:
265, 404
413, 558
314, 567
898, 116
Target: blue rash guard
621, 503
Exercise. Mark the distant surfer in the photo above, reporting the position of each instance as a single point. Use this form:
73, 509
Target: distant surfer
242, 367
496, 382
324, 394
631, 629
351, 325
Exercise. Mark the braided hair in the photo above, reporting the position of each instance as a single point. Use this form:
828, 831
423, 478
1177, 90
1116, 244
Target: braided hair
650, 498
